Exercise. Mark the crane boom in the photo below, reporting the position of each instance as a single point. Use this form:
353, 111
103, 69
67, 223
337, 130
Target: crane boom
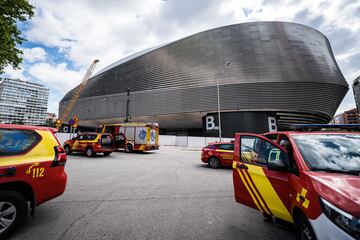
78, 92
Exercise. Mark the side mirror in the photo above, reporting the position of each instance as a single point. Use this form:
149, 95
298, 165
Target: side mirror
281, 164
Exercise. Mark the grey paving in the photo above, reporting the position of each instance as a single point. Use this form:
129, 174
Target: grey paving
168, 194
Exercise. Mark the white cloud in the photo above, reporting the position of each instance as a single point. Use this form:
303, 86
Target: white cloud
34, 54
56, 76
84, 30
53, 104
10, 72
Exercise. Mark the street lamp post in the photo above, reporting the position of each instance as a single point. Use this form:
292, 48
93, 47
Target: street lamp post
227, 63
127, 116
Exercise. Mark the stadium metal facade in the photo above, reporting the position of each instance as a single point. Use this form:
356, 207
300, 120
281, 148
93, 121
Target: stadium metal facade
279, 73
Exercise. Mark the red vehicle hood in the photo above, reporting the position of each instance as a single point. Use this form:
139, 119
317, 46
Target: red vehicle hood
342, 190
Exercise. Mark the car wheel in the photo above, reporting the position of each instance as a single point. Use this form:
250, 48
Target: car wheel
214, 162
89, 152
107, 153
129, 148
303, 228
67, 149
13, 209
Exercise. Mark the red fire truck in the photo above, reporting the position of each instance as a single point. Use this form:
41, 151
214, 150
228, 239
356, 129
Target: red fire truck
134, 136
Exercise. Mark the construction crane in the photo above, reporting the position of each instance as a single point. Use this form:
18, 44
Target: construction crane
78, 90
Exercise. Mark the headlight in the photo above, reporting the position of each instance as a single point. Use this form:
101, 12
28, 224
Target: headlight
343, 220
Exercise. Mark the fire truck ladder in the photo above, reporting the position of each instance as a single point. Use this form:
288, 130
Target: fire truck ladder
78, 91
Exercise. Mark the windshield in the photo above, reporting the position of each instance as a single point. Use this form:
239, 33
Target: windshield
330, 151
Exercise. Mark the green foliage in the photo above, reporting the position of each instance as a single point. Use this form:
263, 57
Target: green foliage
12, 12
20, 122
50, 123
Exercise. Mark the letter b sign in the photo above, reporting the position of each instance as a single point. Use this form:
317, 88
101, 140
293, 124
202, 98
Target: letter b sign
210, 123
272, 124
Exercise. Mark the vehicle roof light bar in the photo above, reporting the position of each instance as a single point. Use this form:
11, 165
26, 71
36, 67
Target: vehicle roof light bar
316, 127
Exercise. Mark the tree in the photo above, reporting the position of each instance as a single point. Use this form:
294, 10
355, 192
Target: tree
50, 123
11, 12
20, 122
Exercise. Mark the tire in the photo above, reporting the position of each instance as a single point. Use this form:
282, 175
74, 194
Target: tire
214, 162
107, 153
303, 229
129, 148
13, 208
67, 149
89, 152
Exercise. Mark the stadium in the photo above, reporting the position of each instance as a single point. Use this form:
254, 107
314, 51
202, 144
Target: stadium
270, 75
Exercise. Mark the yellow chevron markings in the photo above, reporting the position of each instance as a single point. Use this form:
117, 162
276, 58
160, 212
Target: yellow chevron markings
257, 196
266, 189
303, 193
249, 191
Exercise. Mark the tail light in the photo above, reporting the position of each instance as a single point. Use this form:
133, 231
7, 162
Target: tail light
60, 157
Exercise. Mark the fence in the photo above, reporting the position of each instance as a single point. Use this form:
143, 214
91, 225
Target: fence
168, 140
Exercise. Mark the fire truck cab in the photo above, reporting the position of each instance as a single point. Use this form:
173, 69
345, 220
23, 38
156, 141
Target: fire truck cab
134, 136
308, 178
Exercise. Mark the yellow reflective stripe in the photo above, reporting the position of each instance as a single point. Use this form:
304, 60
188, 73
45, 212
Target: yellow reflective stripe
88, 141
148, 134
157, 136
234, 164
42, 152
142, 148
256, 194
249, 191
226, 151
266, 189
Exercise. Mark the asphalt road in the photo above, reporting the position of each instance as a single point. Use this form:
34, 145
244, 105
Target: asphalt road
166, 194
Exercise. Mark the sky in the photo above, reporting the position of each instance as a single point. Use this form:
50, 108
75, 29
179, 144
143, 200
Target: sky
65, 36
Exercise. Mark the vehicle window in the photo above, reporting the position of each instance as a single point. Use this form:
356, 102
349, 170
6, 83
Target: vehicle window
91, 137
81, 137
211, 147
286, 144
109, 129
119, 137
106, 139
15, 142
330, 151
272, 137
226, 146
259, 151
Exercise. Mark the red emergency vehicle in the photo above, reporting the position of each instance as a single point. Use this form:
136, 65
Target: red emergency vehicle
310, 179
90, 144
218, 154
134, 136
31, 170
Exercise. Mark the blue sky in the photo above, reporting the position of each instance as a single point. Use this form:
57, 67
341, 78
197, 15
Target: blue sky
65, 36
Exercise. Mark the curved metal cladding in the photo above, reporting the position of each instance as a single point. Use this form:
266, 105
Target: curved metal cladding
279, 67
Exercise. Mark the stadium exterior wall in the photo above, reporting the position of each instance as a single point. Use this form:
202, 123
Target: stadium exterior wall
283, 70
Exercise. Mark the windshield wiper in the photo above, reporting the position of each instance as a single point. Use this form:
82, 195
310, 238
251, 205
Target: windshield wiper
354, 172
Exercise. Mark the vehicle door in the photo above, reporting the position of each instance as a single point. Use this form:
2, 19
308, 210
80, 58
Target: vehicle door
106, 141
261, 175
226, 153
80, 144
119, 140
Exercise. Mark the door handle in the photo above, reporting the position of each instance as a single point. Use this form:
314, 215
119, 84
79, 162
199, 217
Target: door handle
242, 166
9, 172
